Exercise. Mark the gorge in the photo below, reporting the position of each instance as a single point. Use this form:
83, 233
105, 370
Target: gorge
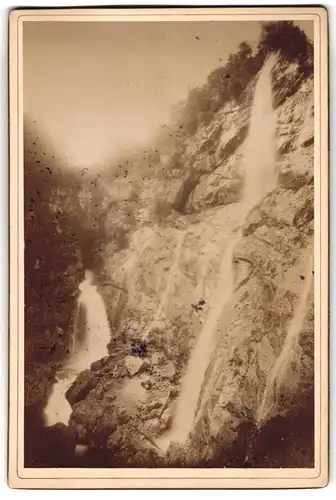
184, 329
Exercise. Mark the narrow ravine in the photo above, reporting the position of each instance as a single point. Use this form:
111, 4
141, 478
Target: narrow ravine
90, 339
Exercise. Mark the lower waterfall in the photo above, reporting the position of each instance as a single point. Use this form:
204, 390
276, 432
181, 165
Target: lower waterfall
90, 339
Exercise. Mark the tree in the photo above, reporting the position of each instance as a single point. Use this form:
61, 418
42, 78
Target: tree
229, 81
198, 104
244, 50
287, 39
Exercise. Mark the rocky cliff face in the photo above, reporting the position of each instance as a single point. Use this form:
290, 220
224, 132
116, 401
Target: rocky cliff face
258, 372
259, 383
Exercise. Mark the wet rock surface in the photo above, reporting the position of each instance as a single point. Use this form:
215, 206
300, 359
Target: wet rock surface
158, 294
81, 387
269, 262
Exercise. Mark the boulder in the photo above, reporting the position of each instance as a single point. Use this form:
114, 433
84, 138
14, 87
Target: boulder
135, 365
168, 371
119, 371
81, 387
105, 426
151, 414
100, 363
94, 420
154, 405
156, 359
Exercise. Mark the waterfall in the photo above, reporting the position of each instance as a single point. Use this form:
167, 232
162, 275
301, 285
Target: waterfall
90, 339
260, 145
260, 178
291, 350
198, 363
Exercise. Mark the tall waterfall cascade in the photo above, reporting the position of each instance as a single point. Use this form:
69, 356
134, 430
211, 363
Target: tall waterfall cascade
90, 339
260, 178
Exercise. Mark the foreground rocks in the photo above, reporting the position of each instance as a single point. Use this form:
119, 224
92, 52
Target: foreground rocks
135, 365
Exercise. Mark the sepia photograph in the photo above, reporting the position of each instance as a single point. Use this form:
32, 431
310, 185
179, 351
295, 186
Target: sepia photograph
169, 243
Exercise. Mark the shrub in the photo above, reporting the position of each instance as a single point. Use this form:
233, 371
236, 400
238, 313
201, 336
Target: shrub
289, 41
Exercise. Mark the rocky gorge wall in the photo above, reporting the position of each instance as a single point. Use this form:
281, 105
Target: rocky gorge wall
278, 242
167, 273
60, 238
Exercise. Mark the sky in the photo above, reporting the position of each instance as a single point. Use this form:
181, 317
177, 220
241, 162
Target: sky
95, 88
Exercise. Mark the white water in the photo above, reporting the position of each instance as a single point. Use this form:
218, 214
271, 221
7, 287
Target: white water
260, 146
198, 363
290, 352
91, 338
260, 178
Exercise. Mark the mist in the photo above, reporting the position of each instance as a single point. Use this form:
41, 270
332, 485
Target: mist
97, 88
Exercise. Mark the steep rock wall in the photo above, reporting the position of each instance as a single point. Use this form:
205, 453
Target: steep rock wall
171, 263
